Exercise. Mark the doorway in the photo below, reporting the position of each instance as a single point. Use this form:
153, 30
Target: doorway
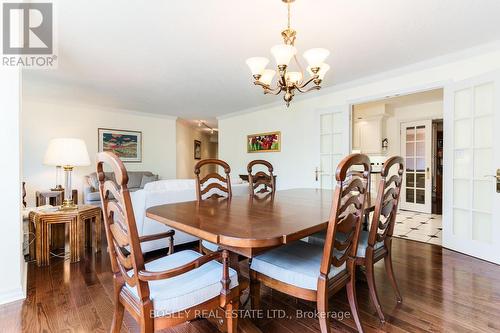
409, 126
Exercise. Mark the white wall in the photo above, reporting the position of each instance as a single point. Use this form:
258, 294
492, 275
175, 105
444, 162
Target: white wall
186, 135
43, 121
12, 278
296, 163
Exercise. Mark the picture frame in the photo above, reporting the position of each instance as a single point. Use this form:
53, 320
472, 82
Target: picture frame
269, 142
126, 144
197, 150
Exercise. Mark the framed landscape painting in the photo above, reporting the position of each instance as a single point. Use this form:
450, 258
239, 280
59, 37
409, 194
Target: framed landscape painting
264, 142
127, 145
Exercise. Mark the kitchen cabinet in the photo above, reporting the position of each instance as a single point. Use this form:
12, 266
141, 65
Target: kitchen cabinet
367, 135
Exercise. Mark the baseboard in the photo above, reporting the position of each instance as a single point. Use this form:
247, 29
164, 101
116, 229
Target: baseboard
12, 295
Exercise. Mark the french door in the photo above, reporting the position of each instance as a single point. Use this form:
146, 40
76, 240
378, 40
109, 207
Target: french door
416, 146
333, 126
472, 161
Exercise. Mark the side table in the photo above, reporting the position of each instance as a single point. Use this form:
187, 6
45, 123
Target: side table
80, 223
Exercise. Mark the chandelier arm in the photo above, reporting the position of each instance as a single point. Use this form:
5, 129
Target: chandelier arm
310, 89
303, 85
275, 91
267, 89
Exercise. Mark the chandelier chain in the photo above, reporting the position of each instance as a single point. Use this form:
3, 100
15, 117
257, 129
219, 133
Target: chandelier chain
288, 15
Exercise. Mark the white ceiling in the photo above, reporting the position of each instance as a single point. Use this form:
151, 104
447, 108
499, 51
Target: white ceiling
187, 58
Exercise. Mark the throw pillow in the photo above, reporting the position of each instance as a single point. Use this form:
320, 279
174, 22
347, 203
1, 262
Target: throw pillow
148, 179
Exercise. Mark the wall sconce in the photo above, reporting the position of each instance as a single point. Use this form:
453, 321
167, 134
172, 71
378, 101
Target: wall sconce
385, 144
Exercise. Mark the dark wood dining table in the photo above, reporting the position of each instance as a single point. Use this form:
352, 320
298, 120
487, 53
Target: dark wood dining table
247, 226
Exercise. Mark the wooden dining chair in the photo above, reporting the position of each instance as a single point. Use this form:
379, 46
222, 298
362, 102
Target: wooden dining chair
261, 182
375, 244
212, 186
167, 291
314, 272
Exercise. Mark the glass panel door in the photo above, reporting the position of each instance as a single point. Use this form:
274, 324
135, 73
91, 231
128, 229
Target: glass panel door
333, 144
471, 224
416, 149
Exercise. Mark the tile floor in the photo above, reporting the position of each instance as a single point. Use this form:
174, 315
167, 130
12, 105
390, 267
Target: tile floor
426, 228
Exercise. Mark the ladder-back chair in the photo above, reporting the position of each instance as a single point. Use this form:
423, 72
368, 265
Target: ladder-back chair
212, 186
313, 272
167, 291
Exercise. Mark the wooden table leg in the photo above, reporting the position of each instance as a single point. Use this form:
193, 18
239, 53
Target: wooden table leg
76, 238
31, 237
42, 244
97, 237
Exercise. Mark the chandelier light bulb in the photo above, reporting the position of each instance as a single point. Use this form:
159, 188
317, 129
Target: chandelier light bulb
315, 57
267, 76
257, 65
283, 54
294, 77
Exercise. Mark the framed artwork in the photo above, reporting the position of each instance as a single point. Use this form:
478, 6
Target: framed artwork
264, 142
127, 145
197, 150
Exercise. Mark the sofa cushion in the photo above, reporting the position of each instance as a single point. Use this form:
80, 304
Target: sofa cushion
171, 185
186, 290
135, 178
148, 179
93, 196
297, 264
94, 181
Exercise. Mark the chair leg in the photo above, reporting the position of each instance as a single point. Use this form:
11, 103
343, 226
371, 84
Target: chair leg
370, 278
392, 278
232, 316
254, 291
147, 325
353, 303
116, 324
322, 304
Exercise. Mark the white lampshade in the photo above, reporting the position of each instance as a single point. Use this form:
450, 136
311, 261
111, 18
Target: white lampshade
295, 77
283, 53
67, 152
257, 64
267, 76
323, 68
315, 57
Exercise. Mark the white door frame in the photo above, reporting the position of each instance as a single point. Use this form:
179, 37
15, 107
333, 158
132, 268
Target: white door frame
427, 206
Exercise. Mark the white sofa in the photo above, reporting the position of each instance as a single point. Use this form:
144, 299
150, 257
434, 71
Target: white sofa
165, 192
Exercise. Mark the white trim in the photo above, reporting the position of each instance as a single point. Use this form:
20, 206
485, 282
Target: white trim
30, 99
12, 295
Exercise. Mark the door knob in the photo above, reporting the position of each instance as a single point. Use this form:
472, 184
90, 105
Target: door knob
316, 173
497, 177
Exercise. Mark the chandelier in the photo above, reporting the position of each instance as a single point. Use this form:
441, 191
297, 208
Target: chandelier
289, 81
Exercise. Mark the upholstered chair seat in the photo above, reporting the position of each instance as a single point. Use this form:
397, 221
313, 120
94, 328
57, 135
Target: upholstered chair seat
319, 239
297, 264
210, 246
186, 290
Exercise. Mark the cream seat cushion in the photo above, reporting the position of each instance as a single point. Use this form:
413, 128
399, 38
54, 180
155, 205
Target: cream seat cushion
186, 290
297, 264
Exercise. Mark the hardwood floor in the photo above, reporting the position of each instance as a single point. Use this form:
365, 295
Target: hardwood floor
442, 291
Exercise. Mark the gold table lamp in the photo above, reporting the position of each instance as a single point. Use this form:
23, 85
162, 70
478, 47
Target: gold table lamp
68, 153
